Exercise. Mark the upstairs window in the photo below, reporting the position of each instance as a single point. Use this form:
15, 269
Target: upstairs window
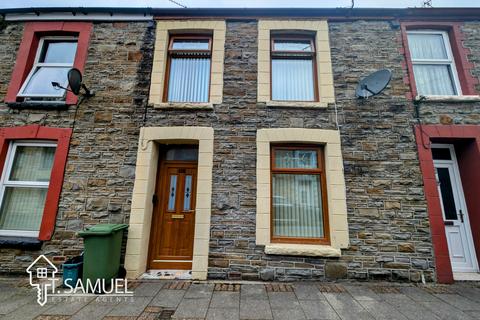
293, 74
188, 69
24, 186
55, 57
299, 205
433, 64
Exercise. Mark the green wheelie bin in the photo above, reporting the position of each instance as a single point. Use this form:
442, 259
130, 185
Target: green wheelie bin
101, 258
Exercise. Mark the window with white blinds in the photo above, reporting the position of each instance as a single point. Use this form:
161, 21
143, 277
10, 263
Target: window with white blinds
298, 209
23, 187
293, 69
189, 60
433, 63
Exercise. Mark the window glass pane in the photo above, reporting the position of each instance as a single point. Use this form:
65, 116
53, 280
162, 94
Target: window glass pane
189, 80
187, 193
448, 201
432, 79
183, 154
172, 192
22, 208
292, 45
427, 46
303, 158
32, 164
59, 52
41, 81
297, 206
193, 44
441, 154
292, 80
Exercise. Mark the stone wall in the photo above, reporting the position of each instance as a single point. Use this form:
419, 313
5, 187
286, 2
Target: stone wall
388, 221
101, 163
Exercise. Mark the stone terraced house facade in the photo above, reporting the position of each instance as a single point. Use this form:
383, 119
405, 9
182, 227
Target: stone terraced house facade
233, 145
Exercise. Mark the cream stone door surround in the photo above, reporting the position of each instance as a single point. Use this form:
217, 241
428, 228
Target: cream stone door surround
143, 190
337, 204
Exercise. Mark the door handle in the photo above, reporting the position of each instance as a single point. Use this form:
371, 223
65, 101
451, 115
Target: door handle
460, 213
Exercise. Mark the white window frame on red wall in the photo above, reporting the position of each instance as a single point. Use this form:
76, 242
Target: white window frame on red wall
5, 182
449, 61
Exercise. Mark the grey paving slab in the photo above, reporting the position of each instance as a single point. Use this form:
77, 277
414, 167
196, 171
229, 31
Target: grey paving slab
318, 309
26, 312
223, 314
16, 301
168, 298
362, 293
66, 306
308, 292
408, 307
295, 313
382, 310
7, 292
199, 291
253, 291
255, 309
96, 309
473, 314
459, 302
148, 289
468, 292
417, 294
133, 307
282, 300
346, 307
225, 299
445, 311
192, 308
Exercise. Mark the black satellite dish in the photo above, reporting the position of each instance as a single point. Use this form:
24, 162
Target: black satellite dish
74, 77
373, 84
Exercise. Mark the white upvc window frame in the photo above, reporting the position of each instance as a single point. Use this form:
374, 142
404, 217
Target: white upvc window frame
38, 64
5, 182
450, 61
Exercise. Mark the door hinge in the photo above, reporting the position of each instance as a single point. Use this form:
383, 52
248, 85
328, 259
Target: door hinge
154, 199
461, 215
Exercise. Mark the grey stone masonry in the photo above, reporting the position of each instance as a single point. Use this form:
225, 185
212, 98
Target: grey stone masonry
387, 213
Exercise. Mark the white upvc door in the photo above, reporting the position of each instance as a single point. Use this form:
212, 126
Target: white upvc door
455, 215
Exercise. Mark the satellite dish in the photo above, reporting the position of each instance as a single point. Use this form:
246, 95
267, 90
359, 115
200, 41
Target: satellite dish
75, 80
373, 84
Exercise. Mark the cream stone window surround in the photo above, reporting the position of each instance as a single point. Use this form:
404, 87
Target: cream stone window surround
144, 188
325, 88
160, 56
336, 195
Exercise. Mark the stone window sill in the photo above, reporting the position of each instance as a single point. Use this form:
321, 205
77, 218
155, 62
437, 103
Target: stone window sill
45, 105
459, 99
183, 106
302, 250
20, 242
296, 104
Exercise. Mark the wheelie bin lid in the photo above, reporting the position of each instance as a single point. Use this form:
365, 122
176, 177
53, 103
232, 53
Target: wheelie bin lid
102, 229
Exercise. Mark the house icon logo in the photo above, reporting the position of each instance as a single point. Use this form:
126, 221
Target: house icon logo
42, 276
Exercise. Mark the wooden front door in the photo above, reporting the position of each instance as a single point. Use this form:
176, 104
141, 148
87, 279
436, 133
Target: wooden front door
173, 221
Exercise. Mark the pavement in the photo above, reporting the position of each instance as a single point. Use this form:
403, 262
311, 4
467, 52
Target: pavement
153, 299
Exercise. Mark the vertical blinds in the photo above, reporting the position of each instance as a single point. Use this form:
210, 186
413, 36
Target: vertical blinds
292, 80
297, 205
189, 80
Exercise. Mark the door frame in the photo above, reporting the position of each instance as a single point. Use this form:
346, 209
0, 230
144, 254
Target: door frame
456, 179
157, 214
140, 220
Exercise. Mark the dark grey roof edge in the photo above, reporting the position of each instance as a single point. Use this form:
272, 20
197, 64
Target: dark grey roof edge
443, 13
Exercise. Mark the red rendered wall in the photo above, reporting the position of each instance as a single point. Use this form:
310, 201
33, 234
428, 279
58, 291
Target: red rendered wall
471, 160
